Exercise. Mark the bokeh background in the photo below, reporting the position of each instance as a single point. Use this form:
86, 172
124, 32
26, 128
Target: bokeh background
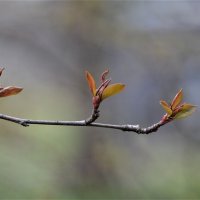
151, 46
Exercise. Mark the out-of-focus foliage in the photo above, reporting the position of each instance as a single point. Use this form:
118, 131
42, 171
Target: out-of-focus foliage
152, 47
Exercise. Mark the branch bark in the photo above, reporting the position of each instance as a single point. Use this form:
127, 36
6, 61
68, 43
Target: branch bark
94, 116
88, 123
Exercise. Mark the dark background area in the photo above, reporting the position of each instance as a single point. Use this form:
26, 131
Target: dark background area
151, 46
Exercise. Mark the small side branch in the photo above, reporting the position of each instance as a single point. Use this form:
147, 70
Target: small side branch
93, 117
89, 122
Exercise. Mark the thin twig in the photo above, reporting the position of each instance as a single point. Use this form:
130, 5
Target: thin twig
93, 117
133, 128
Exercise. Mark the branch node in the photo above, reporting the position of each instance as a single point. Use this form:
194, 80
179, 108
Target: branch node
24, 123
93, 117
129, 127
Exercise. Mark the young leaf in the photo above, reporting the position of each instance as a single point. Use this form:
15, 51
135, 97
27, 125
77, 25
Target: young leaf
186, 110
166, 107
10, 90
1, 70
103, 75
112, 90
91, 83
177, 99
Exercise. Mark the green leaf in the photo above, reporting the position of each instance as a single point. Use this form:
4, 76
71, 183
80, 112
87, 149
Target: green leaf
112, 90
185, 111
166, 107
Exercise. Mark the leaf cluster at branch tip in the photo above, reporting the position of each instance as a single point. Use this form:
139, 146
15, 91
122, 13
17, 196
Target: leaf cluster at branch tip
176, 109
105, 90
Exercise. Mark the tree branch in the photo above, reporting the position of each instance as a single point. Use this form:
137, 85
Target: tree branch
87, 122
174, 110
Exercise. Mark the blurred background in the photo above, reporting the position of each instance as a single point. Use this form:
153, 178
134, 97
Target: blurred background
151, 46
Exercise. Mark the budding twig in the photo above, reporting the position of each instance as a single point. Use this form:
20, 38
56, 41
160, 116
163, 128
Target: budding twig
87, 123
174, 110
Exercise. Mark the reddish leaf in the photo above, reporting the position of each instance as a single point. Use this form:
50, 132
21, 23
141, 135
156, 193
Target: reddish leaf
91, 83
177, 99
1, 70
10, 90
104, 74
